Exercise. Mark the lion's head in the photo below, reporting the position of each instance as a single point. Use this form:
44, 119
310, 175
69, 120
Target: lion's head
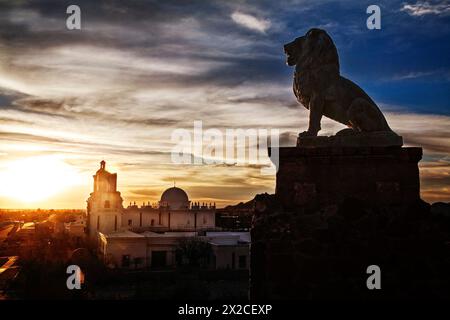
313, 49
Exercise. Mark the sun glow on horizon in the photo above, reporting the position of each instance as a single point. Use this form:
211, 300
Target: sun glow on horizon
36, 178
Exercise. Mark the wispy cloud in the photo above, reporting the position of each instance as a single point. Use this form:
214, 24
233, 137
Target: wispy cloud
422, 8
118, 88
413, 75
251, 22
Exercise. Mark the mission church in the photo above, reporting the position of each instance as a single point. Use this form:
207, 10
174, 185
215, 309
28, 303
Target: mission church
147, 236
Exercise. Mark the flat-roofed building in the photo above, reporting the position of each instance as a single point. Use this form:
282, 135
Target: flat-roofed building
149, 236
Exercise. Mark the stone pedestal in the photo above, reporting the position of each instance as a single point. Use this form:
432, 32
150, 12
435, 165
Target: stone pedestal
326, 176
338, 210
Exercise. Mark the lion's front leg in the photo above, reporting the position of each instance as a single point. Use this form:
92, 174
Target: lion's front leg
315, 116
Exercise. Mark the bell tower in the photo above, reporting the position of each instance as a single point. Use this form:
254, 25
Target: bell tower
104, 206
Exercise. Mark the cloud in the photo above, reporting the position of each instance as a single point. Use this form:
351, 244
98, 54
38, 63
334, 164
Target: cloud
432, 132
435, 180
145, 192
117, 89
422, 8
251, 22
413, 75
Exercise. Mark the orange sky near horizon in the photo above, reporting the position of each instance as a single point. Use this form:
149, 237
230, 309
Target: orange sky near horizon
64, 181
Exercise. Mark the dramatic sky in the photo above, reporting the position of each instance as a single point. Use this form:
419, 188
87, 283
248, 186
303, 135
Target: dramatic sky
137, 70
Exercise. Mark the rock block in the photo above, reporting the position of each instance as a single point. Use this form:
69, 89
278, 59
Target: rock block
328, 175
338, 210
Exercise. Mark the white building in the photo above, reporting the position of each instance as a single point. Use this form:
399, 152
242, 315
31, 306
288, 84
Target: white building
148, 236
76, 227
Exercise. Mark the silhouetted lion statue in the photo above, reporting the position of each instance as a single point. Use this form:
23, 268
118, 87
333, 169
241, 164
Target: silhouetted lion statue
319, 86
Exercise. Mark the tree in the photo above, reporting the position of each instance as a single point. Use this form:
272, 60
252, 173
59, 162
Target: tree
193, 252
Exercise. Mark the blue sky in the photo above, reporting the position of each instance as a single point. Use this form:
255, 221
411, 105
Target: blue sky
137, 70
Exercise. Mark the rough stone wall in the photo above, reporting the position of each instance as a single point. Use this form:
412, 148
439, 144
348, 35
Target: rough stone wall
324, 176
321, 249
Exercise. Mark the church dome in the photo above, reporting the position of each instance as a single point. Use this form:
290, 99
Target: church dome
175, 198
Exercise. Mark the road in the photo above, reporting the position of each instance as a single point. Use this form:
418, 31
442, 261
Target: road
5, 231
8, 270
9, 263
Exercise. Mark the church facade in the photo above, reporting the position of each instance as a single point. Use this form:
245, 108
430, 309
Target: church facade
147, 236
174, 211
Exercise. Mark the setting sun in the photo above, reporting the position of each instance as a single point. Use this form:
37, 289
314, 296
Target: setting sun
36, 178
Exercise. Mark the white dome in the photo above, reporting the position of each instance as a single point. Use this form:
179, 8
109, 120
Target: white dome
175, 198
